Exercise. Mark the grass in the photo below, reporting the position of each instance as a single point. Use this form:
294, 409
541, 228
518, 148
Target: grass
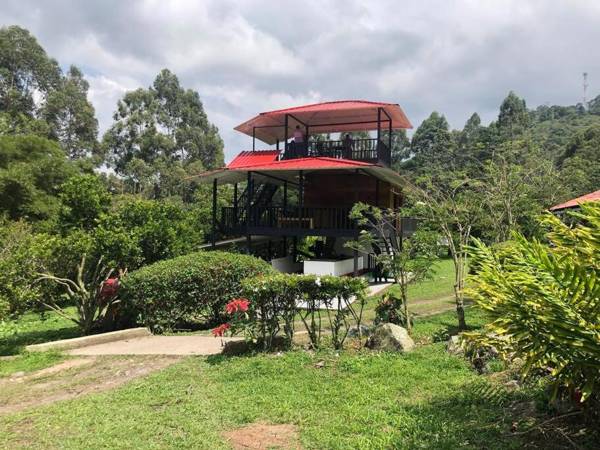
425, 399
35, 328
28, 362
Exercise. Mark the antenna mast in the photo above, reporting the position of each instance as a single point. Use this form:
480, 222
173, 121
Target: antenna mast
585, 86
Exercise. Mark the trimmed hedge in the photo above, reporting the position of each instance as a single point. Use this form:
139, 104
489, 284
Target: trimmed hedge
189, 288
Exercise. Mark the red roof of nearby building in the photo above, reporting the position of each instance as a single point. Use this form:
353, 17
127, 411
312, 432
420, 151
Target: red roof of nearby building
253, 158
310, 163
592, 196
327, 117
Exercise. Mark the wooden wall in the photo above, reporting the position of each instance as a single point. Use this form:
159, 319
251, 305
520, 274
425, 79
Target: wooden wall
345, 189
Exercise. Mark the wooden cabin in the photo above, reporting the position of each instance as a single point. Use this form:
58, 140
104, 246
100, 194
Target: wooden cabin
307, 185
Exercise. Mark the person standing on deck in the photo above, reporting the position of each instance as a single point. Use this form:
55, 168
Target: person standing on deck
298, 141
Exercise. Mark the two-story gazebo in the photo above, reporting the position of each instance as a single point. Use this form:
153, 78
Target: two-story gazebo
308, 188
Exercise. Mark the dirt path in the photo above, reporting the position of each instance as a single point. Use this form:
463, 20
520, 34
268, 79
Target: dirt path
74, 378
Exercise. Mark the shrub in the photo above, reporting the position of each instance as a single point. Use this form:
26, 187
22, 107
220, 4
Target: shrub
276, 300
22, 255
188, 288
545, 301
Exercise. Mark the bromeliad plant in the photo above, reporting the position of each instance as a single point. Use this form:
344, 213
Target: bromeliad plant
94, 292
544, 299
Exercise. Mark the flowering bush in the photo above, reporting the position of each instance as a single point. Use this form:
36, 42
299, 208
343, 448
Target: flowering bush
274, 301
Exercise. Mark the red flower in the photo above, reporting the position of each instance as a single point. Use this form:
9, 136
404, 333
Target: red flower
221, 329
238, 304
109, 287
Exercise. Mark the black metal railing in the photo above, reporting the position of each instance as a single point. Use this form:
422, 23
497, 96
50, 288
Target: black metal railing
367, 150
276, 217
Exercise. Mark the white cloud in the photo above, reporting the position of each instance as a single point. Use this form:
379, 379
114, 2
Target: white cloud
249, 56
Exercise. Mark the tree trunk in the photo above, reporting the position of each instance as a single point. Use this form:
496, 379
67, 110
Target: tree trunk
459, 263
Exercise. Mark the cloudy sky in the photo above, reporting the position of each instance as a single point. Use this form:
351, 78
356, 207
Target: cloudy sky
248, 56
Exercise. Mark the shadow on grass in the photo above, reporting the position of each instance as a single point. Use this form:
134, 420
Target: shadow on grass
12, 344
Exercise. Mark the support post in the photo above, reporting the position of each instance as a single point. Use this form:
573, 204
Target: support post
214, 215
355, 272
390, 136
249, 194
378, 124
277, 144
253, 138
285, 134
301, 190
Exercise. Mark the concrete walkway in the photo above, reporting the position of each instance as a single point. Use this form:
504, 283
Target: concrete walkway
158, 345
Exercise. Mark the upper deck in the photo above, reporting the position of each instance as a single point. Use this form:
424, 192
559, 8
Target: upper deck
313, 121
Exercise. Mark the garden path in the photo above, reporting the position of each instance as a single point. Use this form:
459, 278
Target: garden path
158, 345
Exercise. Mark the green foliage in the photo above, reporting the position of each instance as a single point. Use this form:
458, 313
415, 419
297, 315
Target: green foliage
276, 299
159, 132
93, 291
390, 309
140, 232
408, 259
544, 299
23, 255
31, 172
25, 69
580, 162
71, 116
84, 199
189, 288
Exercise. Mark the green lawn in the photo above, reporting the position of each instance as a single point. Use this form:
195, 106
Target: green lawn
35, 328
425, 399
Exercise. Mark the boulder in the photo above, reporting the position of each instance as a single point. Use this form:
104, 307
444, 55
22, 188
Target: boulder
364, 331
390, 337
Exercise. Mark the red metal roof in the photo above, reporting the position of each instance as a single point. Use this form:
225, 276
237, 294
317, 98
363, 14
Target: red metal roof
312, 163
327, 117
253, 158
592, 196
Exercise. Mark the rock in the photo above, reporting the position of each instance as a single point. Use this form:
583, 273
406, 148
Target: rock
390, 337
320, 364
364, 330
454, 345
512, 384
18, 375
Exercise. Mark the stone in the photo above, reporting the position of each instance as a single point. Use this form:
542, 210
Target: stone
390, 337
18, 375
364, 330
454, 345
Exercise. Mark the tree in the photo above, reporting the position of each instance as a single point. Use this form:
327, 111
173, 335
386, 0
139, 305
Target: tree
452, 204
71, 116
580, 162
409, 260
400, 147
431, 144
31, 171
84, 199
25, 69
161, 129
514, 117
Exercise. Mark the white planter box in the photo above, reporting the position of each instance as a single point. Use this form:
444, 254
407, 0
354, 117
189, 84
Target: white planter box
331, 266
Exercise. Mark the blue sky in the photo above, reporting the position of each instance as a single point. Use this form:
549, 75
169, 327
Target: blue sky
244, 57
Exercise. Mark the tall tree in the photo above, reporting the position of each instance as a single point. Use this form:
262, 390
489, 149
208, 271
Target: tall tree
160, 130
71, 116
25, 69
514, 117
432, 143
